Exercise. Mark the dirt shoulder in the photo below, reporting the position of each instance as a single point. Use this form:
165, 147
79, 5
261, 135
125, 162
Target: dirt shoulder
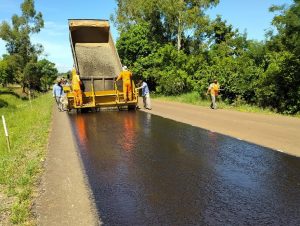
64, 194
274, 131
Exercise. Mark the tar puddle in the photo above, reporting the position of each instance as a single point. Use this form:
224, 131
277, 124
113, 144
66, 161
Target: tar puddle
148, 170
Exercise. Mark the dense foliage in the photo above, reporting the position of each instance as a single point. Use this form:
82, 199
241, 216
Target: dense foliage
177, 49
21, 65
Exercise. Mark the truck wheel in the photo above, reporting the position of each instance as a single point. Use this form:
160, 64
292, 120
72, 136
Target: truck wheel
131, 107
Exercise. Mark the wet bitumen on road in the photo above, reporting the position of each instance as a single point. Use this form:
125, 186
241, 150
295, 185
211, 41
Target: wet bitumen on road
147, 170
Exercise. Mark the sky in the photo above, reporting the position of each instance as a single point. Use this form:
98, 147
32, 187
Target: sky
251, 16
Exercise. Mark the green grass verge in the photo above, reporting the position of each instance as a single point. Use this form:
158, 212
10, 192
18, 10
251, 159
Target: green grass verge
194, 98
28, 127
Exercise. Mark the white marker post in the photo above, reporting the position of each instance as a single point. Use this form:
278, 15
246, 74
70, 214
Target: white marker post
6, 132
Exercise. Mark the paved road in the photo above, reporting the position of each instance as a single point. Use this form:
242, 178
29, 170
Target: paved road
147, 170
65, 199
281, 133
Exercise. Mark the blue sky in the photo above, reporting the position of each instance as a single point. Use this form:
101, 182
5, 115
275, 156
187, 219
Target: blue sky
246, 15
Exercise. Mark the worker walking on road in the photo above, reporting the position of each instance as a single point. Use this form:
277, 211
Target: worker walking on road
126, 76
58, 93
213, 89
145, 94
76, 88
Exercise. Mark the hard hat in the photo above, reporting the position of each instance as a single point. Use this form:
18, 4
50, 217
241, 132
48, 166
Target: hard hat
124, 68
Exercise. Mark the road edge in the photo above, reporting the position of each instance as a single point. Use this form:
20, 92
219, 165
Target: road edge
64, 195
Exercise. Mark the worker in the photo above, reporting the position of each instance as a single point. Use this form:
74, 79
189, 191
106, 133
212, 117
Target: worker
145, 94
126, 76
58, 93
213, 89
76, 88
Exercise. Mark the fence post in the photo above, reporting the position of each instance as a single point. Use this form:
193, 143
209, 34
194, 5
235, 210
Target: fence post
6, 132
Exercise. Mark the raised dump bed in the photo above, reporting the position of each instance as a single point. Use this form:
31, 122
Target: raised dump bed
98, 65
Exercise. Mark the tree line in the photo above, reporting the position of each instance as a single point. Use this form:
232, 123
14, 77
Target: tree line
21, 65
177, 48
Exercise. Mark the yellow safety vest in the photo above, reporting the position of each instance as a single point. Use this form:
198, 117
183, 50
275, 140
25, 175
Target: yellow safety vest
214, 89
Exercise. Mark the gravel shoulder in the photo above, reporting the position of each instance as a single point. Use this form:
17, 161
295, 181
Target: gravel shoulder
277, 132
65, 198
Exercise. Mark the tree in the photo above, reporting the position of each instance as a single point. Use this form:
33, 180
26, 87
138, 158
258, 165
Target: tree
4, 72
48, 73
17, 36
40, 75
11, 69
177, 48
279, 86
172, 17
181, 16
288, 27
220, 32
166, 69
137, 42
32, 76
132, 12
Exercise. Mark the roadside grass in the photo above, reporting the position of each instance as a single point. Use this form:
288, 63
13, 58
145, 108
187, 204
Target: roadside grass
28, 127
195, 99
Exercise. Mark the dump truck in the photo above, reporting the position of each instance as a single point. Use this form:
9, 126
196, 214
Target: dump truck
97, 63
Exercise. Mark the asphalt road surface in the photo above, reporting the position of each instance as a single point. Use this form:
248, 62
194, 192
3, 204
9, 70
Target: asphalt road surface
147, 170
171, 173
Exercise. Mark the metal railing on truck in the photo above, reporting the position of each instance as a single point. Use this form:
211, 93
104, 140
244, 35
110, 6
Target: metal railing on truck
104, 98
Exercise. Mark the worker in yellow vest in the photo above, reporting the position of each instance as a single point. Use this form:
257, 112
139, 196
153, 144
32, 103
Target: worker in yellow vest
213, 89
76, 88
126, 76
